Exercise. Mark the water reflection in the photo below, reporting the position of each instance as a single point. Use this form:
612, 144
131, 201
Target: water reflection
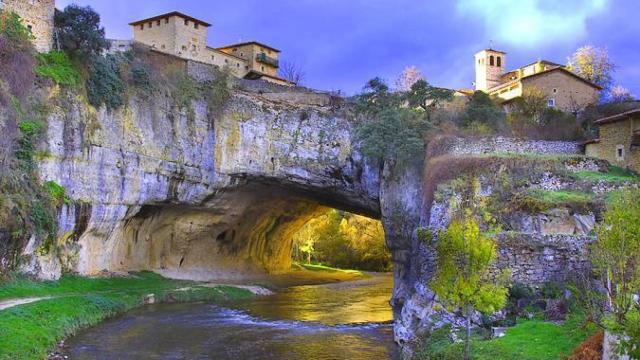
338, 321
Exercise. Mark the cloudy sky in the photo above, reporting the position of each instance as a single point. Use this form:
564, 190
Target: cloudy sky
342, 43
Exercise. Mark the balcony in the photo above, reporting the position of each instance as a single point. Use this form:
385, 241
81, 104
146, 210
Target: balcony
263, 58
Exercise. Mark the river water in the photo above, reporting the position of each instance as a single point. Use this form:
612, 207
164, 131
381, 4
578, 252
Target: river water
349, 320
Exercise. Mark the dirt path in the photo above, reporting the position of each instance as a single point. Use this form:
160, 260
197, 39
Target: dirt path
6, 304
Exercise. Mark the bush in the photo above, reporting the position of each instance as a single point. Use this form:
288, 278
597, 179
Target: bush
481, 109
105, 85
552, 290
57, 193
217, 91
57, 66
590, 349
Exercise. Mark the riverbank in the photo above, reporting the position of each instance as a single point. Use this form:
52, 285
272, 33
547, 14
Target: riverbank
58, 309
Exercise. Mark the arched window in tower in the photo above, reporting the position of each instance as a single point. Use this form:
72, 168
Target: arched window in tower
491, 63
499, 61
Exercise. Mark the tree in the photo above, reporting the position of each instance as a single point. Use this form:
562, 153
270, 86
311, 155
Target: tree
592, 63
390, 131
616, 258
620, 94
463, 279
427, 97
481, 109
79, 33
532, 104
292, 72
409, 76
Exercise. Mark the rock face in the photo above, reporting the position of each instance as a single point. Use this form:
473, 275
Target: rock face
204, 196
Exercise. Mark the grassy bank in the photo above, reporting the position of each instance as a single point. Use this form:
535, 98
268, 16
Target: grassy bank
534, 339
31, 331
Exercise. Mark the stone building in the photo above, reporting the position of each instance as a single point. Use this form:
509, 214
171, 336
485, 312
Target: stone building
262, 59
37, 16
565, 90
182, 35
619, 141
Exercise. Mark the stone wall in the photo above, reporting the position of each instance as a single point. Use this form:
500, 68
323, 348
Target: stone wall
458, 146
37, 15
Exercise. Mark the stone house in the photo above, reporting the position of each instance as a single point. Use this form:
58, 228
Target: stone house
619, 141
37, 16
565, 90
262, 59
184, 36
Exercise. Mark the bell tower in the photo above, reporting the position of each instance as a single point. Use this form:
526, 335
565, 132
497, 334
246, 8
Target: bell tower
490, 65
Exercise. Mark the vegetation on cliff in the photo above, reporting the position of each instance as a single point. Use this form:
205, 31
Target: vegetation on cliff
32, 330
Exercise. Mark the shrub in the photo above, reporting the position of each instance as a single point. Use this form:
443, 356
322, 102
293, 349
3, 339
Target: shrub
57, 193
57, 66
483, 110
141, 78
217, 91
186, 91
105, 85
590, 349
552, 290
12, 29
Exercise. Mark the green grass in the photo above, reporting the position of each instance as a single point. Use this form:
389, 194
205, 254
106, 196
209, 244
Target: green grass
528, 340
320, 267
615, 175
57, 66
542, 200
31, 331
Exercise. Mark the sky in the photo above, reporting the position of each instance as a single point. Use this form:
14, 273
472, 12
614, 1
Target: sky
340, 44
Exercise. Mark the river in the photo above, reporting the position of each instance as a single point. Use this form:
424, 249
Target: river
349, 320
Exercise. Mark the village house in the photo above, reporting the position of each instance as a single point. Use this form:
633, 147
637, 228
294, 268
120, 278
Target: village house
619, 140
564, 90
37, 16
184, 36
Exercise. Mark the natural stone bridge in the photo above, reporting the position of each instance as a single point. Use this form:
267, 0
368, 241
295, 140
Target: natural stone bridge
204, 196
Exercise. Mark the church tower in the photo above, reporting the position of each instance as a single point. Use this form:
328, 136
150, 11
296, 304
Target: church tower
490, 65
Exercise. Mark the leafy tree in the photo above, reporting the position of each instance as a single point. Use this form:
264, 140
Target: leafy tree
481, 109
427, 97
616, 258
594, 64
409, 76
390, 131
532, 104
79, 33
463, 278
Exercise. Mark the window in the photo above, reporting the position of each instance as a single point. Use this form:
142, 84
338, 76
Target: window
213, 57
196, 25
499, 61
241, 54
620, 153
30, 28
226, 61
166, 20
186, 22
555, 91
491, 60
238, 65
551, 102
142, 27
184, 47
150, 24
262, 68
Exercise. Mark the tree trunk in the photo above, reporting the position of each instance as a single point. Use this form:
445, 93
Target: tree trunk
467, 340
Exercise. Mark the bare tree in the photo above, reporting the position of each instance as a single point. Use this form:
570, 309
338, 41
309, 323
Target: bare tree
292, 72
409, 76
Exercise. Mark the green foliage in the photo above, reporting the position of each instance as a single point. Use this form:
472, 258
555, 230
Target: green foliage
519, 291
11, 28
616, 258
57, 193
57, 66
31, 331
390, 132
217, 91
425, 236
482, 110
342, 240
422, 95
79, 33
105, 85
542, 200
463, 279
141, 78
528, 340
186, 91
552, 290
614, 175
30, 131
